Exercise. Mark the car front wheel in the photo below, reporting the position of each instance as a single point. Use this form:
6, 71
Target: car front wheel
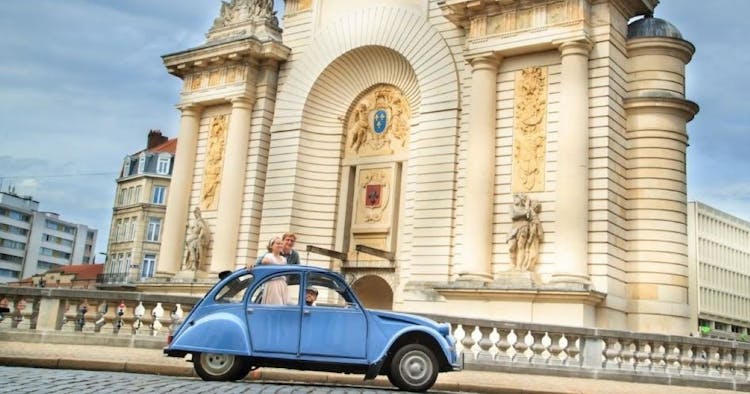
413, 368
220, 367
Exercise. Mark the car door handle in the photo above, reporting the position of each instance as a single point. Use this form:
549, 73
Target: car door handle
249, 310
306, 312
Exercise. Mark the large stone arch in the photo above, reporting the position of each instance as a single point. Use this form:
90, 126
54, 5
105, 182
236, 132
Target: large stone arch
374, 292
370, 46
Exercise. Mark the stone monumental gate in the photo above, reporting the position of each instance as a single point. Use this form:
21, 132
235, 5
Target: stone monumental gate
516, 159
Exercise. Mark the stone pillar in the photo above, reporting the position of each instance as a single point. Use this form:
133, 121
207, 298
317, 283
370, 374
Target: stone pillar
571, 223
224, 250
178, 195
480, 171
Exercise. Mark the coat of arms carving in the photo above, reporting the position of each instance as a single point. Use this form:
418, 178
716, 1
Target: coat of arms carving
379, 123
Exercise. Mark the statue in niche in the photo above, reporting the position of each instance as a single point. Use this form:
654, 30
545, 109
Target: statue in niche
196, 242
526, 234
237, 11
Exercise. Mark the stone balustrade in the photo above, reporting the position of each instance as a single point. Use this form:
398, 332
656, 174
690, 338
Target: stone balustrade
601, 354
488, 345
115, 312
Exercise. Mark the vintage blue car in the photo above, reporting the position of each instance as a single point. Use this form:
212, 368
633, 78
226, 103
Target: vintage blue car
241, 324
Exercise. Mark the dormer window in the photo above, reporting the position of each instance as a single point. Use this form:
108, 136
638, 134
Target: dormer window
126, 167
162, 166
141, 163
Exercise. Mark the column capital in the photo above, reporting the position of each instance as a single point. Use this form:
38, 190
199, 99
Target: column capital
484, 61
575, 47
189, 109
241, 102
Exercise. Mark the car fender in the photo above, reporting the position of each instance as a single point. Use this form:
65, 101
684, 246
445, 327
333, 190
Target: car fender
215, 333
442, 342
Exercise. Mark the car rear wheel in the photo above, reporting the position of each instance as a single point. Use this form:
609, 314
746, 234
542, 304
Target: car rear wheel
413, 368
221, 367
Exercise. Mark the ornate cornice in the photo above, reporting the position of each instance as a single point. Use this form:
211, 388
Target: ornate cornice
246, 50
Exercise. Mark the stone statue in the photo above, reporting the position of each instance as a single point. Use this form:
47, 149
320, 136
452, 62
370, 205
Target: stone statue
526, 234
196, 243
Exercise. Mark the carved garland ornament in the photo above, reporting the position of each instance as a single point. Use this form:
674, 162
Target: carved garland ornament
374, 188
530, 130
214, 159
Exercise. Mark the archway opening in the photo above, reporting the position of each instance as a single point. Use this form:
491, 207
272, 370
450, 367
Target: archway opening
374, 292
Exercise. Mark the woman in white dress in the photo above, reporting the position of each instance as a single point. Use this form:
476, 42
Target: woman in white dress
275, 291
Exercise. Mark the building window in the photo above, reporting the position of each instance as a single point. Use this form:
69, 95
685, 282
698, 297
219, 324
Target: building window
162, 166
15, 215
137, 196
13, 229
10, 258
126, 167
6, 243
121, 199
46, 265
56, 240
158, 195
54, 253
4, 273
131, 229
148, 266
60, 227
154, 228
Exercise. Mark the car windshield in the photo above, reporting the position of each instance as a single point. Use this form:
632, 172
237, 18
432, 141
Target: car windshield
234, 290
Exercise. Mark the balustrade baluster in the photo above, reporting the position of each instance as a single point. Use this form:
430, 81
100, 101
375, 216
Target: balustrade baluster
485, 344
555, 358
573, 350
658, 354
687, 360
34, 317
714, 361
642, 356
520, 347
700, 360
740, 365
468, 343
611, 352
627, 355
672, 359
503, 344
538, 348
727, 362
459, 335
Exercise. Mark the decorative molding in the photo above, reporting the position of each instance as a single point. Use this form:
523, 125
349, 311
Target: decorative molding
216, 77
529, 130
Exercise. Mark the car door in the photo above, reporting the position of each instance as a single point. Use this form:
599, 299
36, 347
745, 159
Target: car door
274, 328
334, 325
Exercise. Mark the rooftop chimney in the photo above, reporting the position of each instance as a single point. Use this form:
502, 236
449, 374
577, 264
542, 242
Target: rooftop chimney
155, 139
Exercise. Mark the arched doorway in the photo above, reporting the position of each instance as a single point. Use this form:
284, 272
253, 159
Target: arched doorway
374, 292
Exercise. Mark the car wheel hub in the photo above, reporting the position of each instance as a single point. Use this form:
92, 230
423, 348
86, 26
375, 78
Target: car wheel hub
217, 363
415, 367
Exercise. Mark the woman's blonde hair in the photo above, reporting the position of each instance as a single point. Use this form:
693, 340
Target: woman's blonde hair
271, 242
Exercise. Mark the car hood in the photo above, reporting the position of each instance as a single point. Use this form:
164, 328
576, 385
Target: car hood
411, 319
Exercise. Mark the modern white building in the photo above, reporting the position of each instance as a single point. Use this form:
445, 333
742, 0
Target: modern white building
33, 241
719, 258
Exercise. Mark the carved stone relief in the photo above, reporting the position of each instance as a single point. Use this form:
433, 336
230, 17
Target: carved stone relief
214, 162
379, 123
216, 77
529, 130
523, 17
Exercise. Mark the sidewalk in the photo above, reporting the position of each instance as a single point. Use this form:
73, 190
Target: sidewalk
151, 361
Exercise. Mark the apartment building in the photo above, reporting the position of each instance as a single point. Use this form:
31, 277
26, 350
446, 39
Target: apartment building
33, 241
138, 211
719, 261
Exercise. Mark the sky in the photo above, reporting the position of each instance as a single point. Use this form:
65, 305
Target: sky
82, 82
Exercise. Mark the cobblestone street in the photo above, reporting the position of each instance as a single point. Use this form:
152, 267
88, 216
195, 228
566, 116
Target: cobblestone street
38, 380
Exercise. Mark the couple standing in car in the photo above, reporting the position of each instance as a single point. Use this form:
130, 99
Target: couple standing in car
280, 251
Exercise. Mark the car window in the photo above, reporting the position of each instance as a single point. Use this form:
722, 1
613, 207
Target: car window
277, 290
327, 291
234, 290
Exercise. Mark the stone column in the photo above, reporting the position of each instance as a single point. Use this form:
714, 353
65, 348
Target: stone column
480, 171
224, 250
572, 169
178, 194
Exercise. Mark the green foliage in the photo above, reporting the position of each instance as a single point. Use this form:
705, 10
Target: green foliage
704, 330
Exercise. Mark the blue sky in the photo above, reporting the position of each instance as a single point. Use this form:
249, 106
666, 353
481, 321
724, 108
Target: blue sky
82, 82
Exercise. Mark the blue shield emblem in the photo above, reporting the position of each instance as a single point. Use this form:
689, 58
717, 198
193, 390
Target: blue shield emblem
380, 121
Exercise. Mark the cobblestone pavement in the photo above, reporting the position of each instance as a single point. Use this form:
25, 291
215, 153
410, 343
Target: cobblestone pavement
20, 380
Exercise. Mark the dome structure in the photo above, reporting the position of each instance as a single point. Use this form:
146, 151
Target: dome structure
649, 26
